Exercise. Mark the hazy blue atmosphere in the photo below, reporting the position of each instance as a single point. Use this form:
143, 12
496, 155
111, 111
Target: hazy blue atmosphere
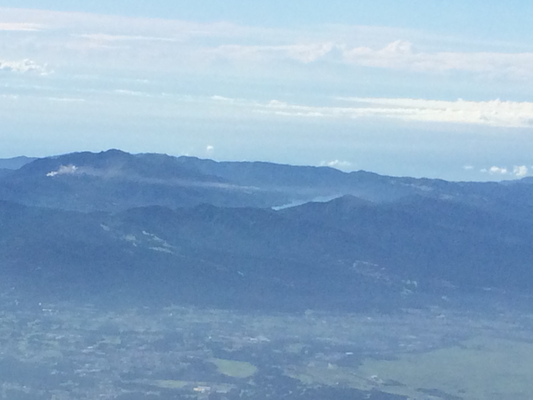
266, 200
151, 277
400, 88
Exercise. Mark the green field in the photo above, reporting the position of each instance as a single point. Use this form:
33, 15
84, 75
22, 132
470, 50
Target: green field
478, 369
234, 369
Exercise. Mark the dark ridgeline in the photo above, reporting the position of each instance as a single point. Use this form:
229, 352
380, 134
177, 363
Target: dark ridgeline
159, 228
15, 163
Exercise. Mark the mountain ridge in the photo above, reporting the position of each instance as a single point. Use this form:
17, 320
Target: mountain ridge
156, 226
360, 255
124, 181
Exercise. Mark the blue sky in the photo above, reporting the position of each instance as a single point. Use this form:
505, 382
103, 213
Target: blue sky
421, 88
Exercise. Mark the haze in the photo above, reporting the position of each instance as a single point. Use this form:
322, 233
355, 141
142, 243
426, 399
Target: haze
413, 88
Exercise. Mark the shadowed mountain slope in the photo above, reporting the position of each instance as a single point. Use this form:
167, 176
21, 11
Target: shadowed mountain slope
15, 162
116, 181
346, 253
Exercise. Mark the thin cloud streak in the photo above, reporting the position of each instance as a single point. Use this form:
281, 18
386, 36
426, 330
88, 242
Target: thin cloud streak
339, 164
100, 37
398, 55
401, 55
494, 113
97, 24
23, 66
519, 171
21, 26
163, 41
304, 53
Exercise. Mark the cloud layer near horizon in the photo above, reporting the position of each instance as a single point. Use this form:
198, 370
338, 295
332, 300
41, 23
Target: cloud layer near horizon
23, 66
63, 36
494, 113
345, 94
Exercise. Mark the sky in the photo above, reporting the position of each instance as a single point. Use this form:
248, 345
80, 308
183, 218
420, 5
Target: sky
400, 87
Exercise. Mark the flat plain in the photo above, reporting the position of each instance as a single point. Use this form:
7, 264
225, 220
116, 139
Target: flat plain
86, 351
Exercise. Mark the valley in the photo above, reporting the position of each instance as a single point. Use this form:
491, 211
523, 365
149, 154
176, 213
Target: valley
64, 350
150, 277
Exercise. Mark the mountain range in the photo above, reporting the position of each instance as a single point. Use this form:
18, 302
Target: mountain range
251, 234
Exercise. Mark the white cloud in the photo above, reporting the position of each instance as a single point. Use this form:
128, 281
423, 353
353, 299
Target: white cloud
397, 55
148, 40
23, 66
468, 167
223, 99
520, 171
309, 53
101, 37
336, 164
304, 53
388, 57
63, 170
497, 170
135, 93
401, 55
111, 27
490, 113
66, 99
20, 26
210, 150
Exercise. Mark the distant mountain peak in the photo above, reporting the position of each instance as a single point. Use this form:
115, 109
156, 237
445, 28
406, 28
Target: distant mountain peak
15, 162
349, 200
